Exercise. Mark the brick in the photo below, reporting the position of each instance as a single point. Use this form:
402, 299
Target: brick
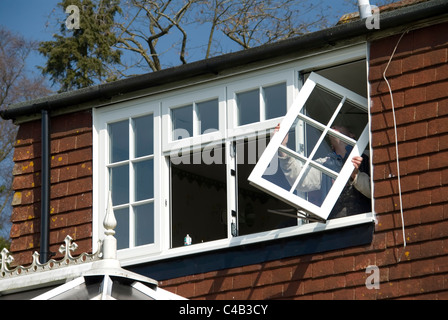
24, 167
385, 205
383, 102
59, 160
59, 190
414, 95
383, 188
405, 149
380, 50
410, 183
381, 155
405, 115
430, 37
27, 152
413, 62
442, 72
439, 195
424, 76
25, 182
428, 145
401, 82
84, 140
438, 160
426, 111
435, 57
432, 283
80, 185
79, 156
21, 213
344, 265
441, 264
69, 124
438, 126
64, 144
416, 130
323, 268
313, 285
443, 142
437, 90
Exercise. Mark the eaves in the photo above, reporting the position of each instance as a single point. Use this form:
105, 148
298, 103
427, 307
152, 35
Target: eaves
100, 94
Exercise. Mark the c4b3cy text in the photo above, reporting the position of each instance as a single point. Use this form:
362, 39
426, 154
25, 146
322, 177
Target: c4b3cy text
229, 309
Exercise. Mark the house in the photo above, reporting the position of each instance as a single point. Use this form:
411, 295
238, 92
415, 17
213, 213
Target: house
189, 156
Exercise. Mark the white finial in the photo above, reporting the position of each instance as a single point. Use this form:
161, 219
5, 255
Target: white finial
110, 242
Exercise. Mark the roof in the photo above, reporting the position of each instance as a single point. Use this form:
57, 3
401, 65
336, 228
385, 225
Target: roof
96, 276
215, 66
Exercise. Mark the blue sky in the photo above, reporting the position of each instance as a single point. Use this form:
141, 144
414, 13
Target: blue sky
29, 18
36, 20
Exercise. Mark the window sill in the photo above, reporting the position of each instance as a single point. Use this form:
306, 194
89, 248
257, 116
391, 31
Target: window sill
135, 256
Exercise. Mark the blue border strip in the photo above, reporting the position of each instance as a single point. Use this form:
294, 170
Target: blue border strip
257, 253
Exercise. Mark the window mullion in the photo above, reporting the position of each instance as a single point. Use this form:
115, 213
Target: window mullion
232, 190
131, 182
262, 104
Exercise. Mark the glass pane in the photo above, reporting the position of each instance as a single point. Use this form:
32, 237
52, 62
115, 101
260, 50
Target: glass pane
313, 185
122, 229
253, 204
119, 177
144, 180
352, 118
119, 141
321, 105
317, 185
199, 199
248, 104
208, 116
182, 122
144, 136
144, 224
275, 101
283, 170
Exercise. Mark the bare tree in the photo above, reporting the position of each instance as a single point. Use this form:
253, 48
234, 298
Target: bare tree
15, 86
147, 22
152, 29
251, 23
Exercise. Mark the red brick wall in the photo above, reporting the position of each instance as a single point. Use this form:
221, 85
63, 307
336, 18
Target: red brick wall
419, 78
71, 186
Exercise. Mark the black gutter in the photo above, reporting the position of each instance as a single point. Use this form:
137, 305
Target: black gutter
214, 66
45, 189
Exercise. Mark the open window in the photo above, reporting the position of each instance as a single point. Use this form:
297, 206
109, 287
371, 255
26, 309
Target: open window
302, 148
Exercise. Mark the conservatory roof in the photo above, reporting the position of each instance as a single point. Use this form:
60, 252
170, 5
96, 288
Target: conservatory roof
96, 276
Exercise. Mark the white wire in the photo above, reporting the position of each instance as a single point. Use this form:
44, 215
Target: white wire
396, 137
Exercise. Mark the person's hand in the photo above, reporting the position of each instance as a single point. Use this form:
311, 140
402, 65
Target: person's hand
356, 163
285, 141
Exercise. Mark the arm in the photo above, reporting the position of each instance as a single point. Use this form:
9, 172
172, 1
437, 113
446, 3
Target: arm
360, 180
292, 167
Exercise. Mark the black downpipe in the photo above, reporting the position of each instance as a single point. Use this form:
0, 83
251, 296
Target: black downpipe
45, 189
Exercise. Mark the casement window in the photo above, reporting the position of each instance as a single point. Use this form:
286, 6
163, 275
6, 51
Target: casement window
309, 126
200, 161
130, 153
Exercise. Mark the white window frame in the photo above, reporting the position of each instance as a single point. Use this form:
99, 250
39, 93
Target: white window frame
160, 103
102, 117
258, 82
192, 98
256, 177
